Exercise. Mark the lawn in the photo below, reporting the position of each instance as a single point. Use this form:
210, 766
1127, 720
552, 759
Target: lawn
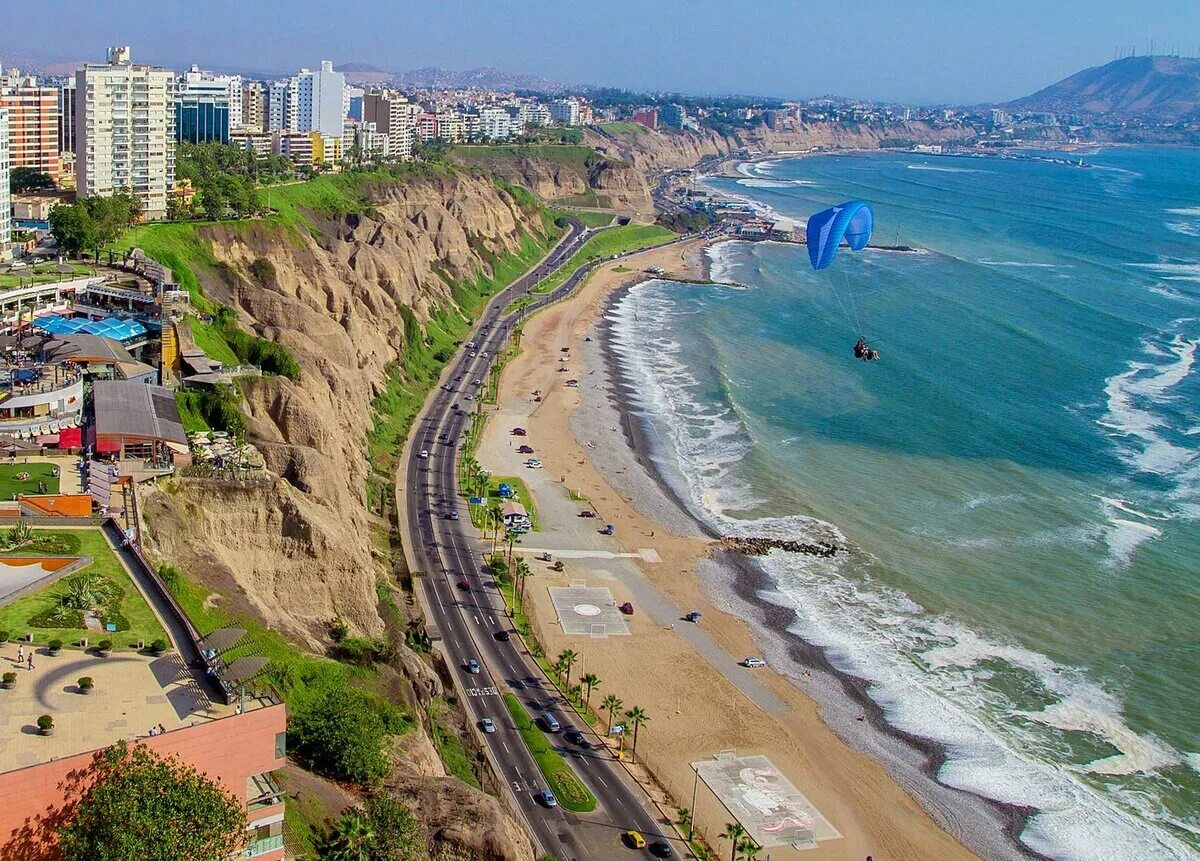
617, 240
522, 495
567, 788
43, 273
10, 485
208, 338
138, 622
589, 219
630, 130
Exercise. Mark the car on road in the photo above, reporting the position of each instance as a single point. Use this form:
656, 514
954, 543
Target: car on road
502, 636
547, 798
634, 839
519, 432
661, 849
525, 449
453, 515
463, 584
608, 529
587, 512
472, 354
550, 722
487, 725
442, 437
473, 667
533, 463
576, 738
754, 663
424, 454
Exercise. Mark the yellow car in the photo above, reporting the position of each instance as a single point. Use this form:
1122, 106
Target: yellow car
635, 839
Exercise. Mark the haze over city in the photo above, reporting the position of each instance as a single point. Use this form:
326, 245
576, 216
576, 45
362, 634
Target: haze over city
916, 52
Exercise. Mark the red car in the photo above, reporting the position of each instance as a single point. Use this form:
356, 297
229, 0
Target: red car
463, 584
525, 449
626, 608
518, 431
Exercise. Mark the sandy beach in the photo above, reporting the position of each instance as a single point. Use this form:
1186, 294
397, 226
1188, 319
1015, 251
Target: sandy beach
686, 676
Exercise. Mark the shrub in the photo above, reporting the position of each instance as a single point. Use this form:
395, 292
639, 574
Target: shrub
58, 616
104, 645
9, 678
55, 645
86, 682
364, 650
3, 636
341, 732
45, 722
262, 270
338, 629
158, 646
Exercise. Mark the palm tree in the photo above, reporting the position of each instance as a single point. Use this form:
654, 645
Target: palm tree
612, 703
351, 839
733, 832
523, 571
684, 821
495, 520
590, 680
636, 716
749, 849
569, 658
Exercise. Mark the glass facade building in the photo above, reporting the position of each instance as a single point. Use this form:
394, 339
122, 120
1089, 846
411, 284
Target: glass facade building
199, 119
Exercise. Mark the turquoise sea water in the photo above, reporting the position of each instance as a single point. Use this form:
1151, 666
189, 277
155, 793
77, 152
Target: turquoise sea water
1019, 476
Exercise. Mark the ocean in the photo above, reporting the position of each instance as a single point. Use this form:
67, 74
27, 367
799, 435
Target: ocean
1017, 480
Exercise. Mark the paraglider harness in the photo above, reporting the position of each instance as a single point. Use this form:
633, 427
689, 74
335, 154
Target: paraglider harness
862, 351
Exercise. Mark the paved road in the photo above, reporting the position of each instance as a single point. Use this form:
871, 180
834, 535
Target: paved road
467, 620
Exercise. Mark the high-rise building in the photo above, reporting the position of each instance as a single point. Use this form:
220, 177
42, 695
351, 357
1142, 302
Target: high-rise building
206, 85
254, 112
495, 123
66, 116
32, 126
393, 117
125, 131
647, 117
201, 117
275, 105
564, 112
354, 103
320, 101
5, 199
672, 115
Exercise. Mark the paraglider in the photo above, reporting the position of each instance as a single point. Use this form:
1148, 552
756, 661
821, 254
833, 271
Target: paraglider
850, 222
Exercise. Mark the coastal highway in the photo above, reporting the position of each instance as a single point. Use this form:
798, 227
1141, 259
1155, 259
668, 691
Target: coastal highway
467, 621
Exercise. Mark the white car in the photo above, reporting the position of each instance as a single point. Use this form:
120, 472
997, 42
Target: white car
533, 463
754, 663
424, 454
472, 354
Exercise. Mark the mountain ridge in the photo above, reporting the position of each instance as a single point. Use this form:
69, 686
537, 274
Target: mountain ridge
1163, 89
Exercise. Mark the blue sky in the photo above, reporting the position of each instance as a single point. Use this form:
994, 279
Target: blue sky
913, 50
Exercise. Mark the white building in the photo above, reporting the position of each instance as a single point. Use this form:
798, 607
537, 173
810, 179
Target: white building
5, 199
496, 124
275, 106
125, 131
320, 100
564, 112
394, 117
210, 87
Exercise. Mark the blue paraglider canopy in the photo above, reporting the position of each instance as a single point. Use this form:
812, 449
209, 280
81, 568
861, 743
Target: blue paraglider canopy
851, 221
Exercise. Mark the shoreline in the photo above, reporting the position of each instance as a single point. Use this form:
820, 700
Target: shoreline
581, 435
749, 579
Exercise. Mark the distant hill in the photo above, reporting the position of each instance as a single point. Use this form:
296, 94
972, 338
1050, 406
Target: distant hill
1159, 89
435, 78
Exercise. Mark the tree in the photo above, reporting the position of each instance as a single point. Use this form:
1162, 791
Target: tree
73, 227
590, 680
733, 832
23, 179
568, 658
382, 829
612, 703
636, 716
146, 806
341, 733
749, 849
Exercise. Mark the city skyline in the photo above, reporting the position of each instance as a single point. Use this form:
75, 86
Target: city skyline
872, 51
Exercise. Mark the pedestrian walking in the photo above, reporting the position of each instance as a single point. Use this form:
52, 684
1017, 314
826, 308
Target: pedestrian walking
20, 654
29, 660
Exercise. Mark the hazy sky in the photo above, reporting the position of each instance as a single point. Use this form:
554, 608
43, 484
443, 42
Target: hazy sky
913, 50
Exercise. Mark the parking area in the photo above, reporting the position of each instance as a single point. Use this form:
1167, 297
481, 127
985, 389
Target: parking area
588, 611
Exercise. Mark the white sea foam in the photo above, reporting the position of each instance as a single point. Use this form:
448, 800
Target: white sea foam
1018, 264
1169, 293
1173, 271
926, 672
1193, 211
1123, 537
774, 183
1187, 228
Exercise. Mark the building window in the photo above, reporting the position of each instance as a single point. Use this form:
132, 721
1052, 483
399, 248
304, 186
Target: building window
280, 745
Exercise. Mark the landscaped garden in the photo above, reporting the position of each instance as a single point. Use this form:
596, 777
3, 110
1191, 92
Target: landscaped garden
18, 478
102, 591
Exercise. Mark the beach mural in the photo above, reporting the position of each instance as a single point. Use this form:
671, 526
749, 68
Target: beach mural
1015, 483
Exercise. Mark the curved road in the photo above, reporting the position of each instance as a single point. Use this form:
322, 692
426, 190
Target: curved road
466, 621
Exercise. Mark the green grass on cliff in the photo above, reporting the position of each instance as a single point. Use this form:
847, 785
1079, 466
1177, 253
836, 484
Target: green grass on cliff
618, 240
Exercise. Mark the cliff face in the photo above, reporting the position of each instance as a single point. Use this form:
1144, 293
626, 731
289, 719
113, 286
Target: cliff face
297, 550
668, 149
622, 183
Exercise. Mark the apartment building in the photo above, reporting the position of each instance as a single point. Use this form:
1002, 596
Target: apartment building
394, 117
66, 116
212, 89
5, 201
254, 113
564, 112
495, 124
125, 131
277, 106
32, 126
319, 99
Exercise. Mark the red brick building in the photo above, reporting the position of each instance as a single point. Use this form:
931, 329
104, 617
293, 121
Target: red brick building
33, 127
